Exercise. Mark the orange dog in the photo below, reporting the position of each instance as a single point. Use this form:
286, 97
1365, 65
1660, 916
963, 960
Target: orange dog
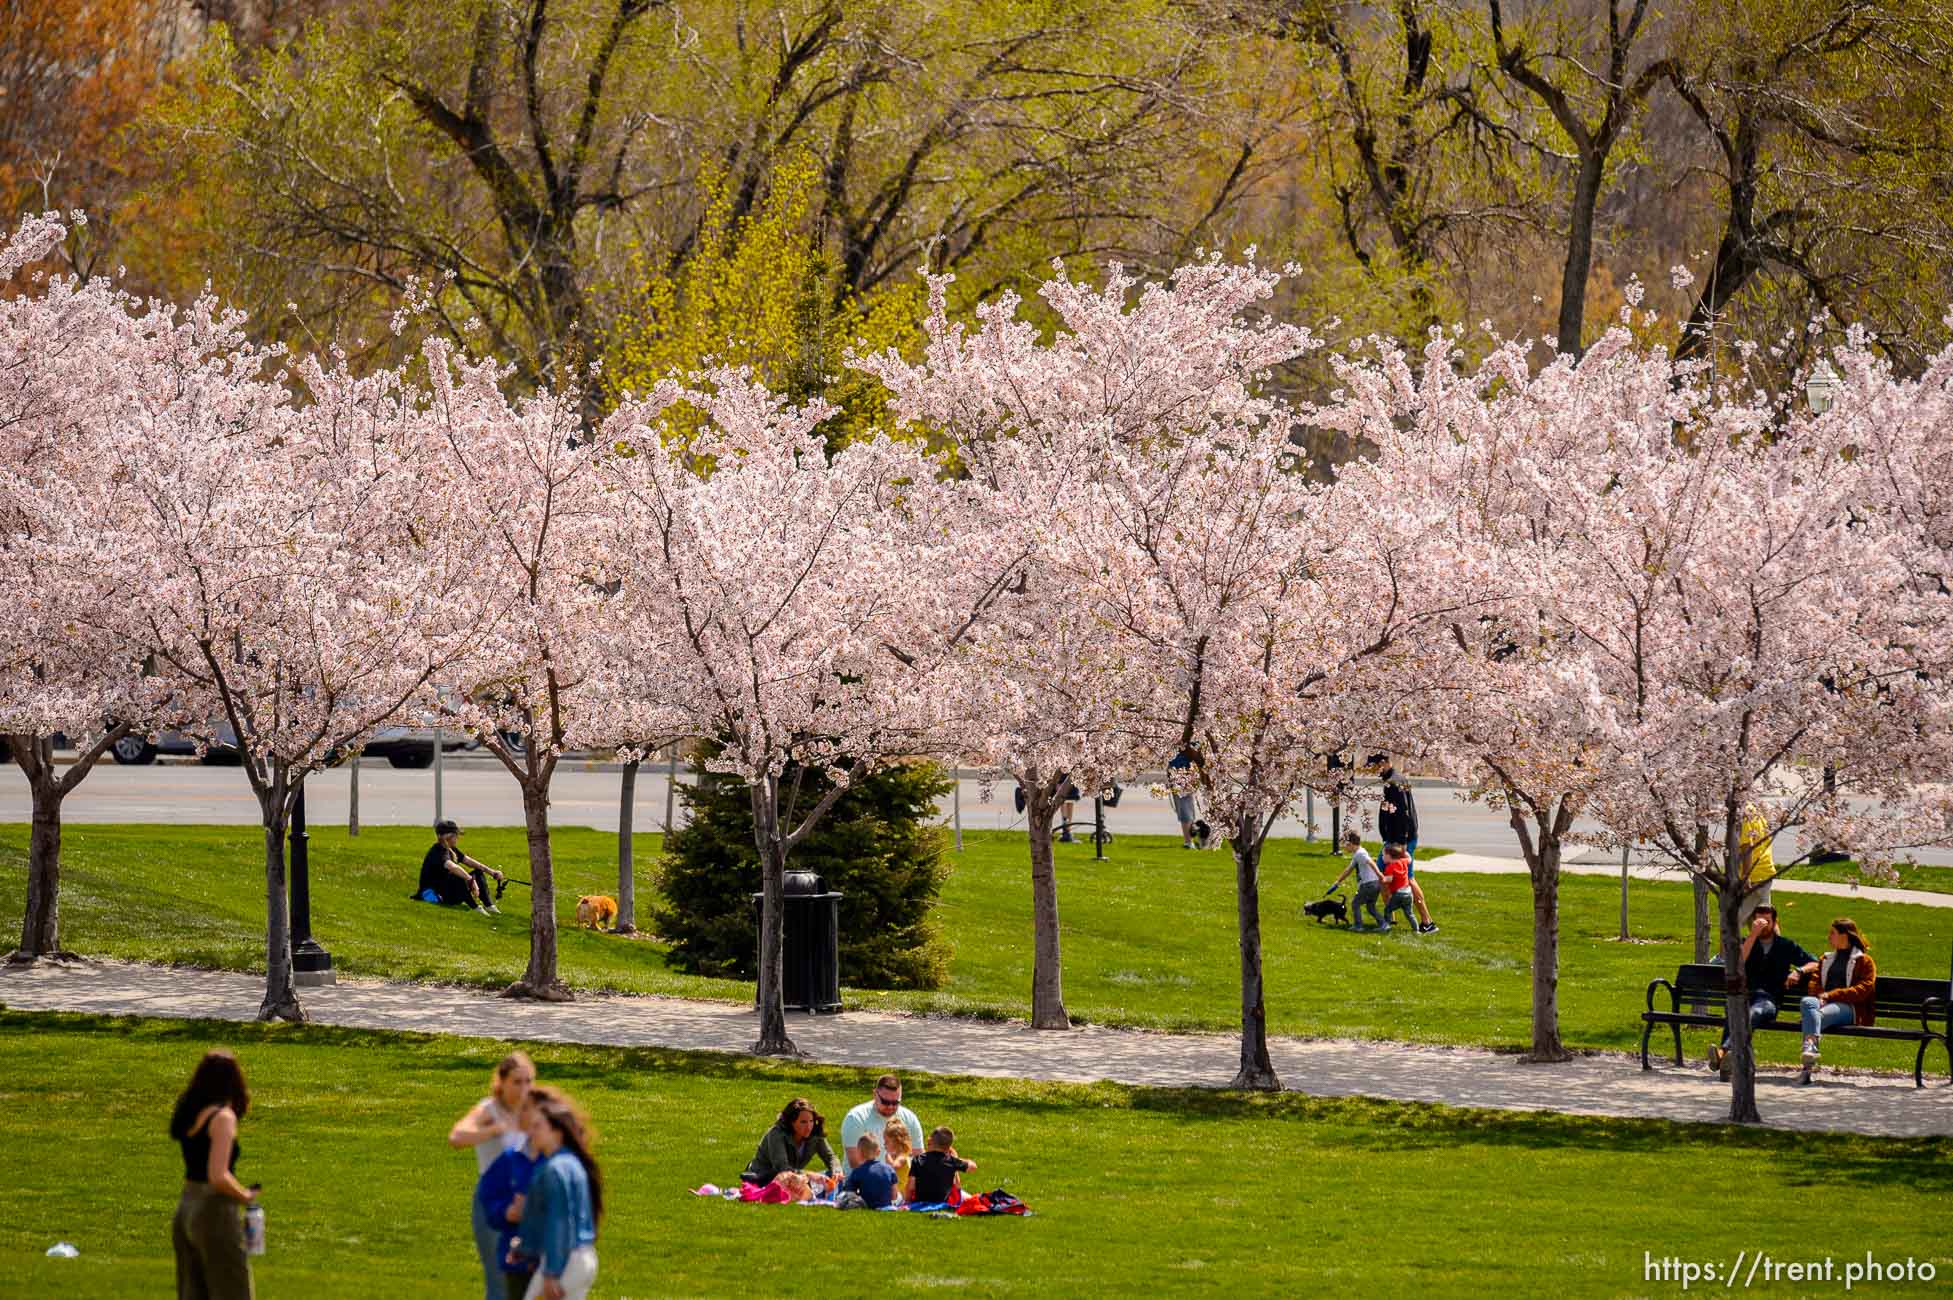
593, 910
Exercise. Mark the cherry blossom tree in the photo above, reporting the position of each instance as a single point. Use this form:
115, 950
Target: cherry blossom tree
1034, 421
1510, 709
786, 603
519, 477
65, 346
284, 565
1751, 608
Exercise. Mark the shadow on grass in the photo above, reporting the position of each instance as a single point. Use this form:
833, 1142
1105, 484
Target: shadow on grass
1348, 1123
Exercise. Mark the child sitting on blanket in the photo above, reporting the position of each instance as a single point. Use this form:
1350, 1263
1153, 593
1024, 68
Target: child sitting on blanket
896, 1148
870, 1179
798, 1186
935, 1176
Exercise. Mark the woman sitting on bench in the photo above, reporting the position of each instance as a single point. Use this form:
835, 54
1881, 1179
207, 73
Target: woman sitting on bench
1839, 989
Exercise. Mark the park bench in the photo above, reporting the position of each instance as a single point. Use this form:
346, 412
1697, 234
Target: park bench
1906, 1010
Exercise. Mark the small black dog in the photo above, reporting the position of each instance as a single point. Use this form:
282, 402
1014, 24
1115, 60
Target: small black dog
1324, 908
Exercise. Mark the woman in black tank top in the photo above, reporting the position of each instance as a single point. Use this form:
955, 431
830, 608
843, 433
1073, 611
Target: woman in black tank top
208, 1229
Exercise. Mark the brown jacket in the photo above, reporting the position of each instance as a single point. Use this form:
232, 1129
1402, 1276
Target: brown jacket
1861, 978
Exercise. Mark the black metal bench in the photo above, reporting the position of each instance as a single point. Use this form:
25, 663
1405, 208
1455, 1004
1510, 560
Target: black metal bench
1905, 1010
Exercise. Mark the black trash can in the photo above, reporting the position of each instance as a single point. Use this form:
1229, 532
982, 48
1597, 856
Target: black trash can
810, 943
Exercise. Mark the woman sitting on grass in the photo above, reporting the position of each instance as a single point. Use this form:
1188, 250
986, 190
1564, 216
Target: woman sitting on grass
1840, 989
791, 1144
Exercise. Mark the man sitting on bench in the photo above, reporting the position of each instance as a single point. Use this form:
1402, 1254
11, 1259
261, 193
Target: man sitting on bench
452, 878
1771, 960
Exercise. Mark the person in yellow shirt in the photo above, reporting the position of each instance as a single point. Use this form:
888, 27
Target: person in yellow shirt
1754, 843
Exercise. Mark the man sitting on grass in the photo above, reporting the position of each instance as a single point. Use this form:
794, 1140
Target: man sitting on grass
452, 878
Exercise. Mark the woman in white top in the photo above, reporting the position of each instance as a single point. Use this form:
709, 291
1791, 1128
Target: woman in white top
491, 1127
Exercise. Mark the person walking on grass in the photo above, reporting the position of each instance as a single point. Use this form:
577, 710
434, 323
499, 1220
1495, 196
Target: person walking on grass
500, 1196
1185, 808
1396, 885
492, 1126
208, 1229
1397, 824
565, 1201
1839, 989
1369, 882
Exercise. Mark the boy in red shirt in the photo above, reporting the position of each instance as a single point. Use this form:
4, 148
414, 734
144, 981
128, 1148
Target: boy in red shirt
1396, 885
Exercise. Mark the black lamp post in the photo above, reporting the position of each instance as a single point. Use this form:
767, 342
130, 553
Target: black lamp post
311, 963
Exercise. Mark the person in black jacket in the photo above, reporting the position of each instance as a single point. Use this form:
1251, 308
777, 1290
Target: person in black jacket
1772, 961
452, 877
1397, 824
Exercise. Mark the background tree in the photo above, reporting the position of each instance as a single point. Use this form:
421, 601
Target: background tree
880, 846
523, 153
1826, 143
72, 77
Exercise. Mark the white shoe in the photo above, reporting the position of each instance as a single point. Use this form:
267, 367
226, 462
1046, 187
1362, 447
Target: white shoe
483, 910
492, 910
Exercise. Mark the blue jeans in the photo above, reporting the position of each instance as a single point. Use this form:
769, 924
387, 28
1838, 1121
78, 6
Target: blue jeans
1366, 896
1400, 899
486, 1242
1410, 847
1763, 1009
1820, 1015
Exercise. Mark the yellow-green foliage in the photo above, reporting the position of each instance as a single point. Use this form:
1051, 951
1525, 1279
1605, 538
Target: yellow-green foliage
761, 293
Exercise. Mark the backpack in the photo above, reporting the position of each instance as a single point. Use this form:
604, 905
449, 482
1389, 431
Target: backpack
997, 1202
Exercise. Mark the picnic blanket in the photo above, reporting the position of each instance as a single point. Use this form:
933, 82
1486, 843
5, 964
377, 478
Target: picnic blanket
967, 1206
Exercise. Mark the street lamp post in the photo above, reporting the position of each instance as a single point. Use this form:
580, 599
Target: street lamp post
311, 963
1821, 392
1821, 389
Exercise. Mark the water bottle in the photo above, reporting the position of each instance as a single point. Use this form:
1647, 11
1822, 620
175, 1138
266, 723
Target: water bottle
254, 1230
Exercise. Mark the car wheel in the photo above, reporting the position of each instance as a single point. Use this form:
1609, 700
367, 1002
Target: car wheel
423, 757
133, 749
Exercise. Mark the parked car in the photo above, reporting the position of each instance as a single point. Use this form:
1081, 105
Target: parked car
412, 746
400, 746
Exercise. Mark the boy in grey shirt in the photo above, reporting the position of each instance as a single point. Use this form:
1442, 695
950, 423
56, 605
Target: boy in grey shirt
1369, 882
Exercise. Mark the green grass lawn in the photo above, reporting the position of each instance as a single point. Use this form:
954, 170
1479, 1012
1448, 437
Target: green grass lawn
1136, 1191
1933, 880
1149, 934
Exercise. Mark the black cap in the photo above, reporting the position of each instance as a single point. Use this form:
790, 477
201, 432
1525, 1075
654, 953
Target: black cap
446, 827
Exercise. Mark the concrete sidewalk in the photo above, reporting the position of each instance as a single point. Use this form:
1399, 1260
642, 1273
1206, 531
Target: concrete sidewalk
1486, 864
1602, 1084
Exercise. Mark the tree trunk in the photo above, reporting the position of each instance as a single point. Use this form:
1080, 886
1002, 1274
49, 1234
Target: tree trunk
1546, 954
1579, 253
280, 994
1736, 1009
40, 928
1701, 890
540, 980
1257, 1071
626, 874
1047, 970
770, 841
352, 797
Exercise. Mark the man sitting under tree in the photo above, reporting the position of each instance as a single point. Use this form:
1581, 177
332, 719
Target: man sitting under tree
452, 878
1770, 963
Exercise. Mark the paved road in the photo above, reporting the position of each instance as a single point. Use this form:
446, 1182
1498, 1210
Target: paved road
1600, 1084
476, 791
